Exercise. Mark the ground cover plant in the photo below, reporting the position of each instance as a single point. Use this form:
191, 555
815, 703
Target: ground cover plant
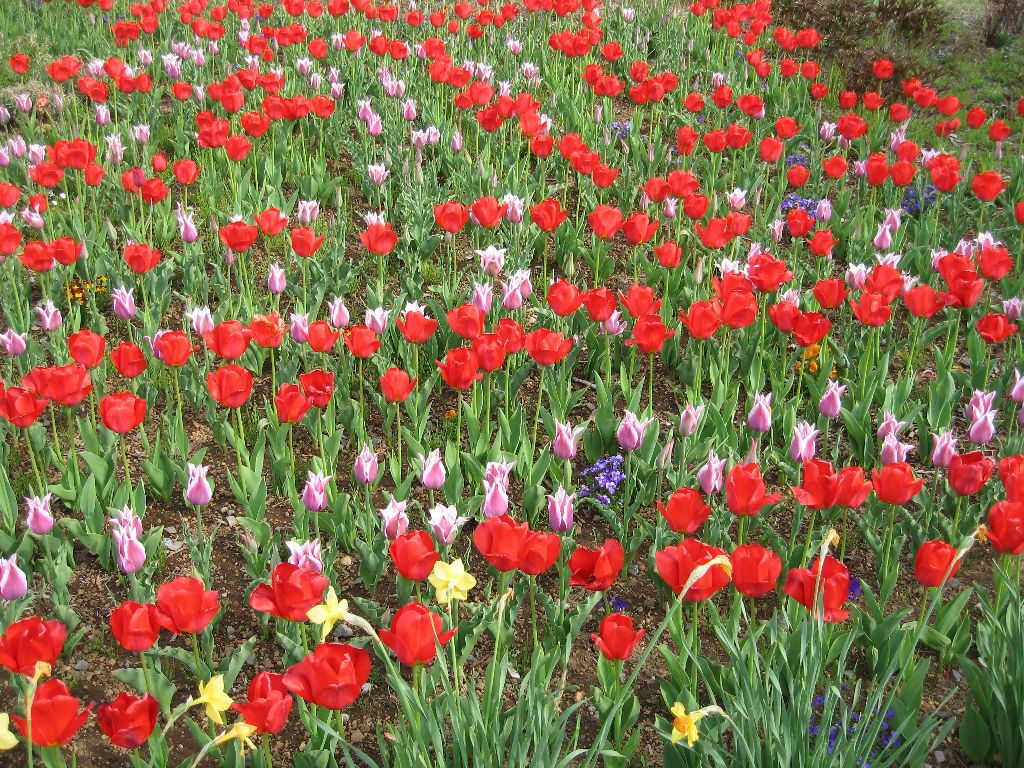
558, 383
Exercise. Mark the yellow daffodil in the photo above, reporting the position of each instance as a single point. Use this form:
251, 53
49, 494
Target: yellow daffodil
241, 731
7, 739
332, 611
212, 694
452, 581
684, 724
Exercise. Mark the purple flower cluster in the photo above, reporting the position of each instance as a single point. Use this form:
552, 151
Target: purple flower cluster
604, 478
913, 204
793, 201
621, 129
887, 737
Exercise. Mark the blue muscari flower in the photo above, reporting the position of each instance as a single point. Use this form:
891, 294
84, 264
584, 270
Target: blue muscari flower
855, 588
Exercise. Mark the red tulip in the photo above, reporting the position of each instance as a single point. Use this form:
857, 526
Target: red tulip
995, 327
186, 171
605, 221
547, 347
30, 641
600, 304
269, 704
185, 606
703, 319
415, 634
1011, 474
832, 588
451, 217
136, 626
923, 301
968, 472
617, 638
935, 563
873, 310
416, 327
55, 715
267, 330
141, 258
510, 546
332, 676
361, 341
228, 339
127, 720
755, 570
238, 236
128, 359
379, 238
122, 412
173, 348
230, 385
564, 298
414, 555
321, 336
548, 214
396, 386
460, 368
639, 300
466, 320
490, 351
987, 186
649, 334
66, 385
20, 406
675, 564
685, 511
1005, 529
305, 242
318, 386
745, 490
87, 348
596, 569
895, 483
291, 593
488, 212
271, 222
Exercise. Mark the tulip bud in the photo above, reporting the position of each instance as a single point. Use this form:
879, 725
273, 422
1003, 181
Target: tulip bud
366, 466
560, 510
495, 502
433, 474
689, 419
13, 583
49, 316
711, 476
566, 439
38, 516
197, 490
314, 495
123, 301
306, 554
630, 433
943, 448
831, 403
394, 518
276, 280
760, 416
802, 447
445, 523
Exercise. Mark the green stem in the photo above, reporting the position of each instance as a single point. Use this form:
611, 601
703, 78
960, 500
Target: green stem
536, 416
